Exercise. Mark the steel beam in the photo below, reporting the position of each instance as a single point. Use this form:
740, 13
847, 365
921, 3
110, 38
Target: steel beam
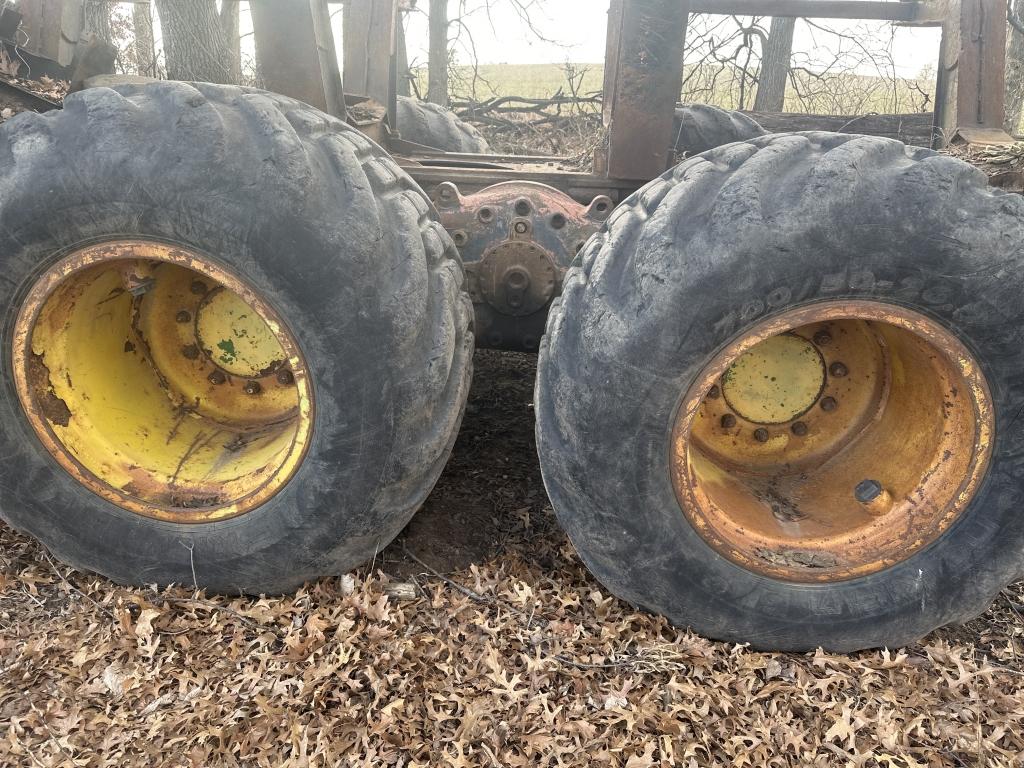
369, 47
643, 78
296, 53
972, 73
908, 12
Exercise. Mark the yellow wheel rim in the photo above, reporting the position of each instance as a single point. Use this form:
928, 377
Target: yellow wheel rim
161, 382
832, 441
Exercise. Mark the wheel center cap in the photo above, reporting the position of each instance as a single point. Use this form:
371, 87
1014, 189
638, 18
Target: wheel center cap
775, 381
235, 337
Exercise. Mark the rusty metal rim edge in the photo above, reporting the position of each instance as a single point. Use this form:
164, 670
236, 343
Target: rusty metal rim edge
855, 309
139, 248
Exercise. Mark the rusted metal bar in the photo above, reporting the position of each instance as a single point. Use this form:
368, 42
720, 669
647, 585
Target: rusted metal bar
972, 73
369, 29
910, 12
295, 48
643, 78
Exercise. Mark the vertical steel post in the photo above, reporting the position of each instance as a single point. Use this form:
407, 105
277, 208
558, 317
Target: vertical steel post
296, 52
643, 78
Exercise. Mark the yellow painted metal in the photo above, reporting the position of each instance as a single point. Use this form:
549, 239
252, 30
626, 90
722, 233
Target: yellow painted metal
234, 337
776, 381
130, 411
904, 411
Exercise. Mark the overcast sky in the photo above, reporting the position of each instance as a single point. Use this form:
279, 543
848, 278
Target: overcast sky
580, 26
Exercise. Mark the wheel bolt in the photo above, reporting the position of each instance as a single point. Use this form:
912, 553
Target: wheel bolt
217, 377
522, 227
285, 377
252, 388
198, 287
823, 338
184, 316
829, 404
714, 393
799, 429
191, 352
867, 491
761, 435
728, 421
838, 370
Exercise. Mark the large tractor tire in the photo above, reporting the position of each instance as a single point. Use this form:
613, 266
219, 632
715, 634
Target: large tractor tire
779, 401
235, 349
700, 127
434, 126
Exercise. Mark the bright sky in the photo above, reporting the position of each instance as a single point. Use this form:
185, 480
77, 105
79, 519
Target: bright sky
581, 26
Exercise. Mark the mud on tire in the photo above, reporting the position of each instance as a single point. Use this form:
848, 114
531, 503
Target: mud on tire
324, 226
689, 264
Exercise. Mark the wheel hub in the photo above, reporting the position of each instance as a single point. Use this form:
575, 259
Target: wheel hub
832, 441
161, 382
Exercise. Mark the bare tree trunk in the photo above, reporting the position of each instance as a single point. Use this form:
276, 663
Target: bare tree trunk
437, 66
778, 51
96, 19
194, 41
229, 22
143, 47
1015, 69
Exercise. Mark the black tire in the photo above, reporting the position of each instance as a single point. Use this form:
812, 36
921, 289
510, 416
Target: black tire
697, 257
700, 127
434, 126
327, 228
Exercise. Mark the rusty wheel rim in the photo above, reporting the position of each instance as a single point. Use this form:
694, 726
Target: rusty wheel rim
161, 382
832, 441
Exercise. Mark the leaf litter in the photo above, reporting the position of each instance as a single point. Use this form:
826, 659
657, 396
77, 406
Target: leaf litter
498, 650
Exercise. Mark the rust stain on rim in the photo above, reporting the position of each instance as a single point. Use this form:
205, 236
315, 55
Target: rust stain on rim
87, 380
884, 461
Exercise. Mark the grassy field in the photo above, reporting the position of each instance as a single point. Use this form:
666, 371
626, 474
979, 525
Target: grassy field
840, 93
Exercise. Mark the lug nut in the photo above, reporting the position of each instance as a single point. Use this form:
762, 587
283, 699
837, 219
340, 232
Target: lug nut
714, 393
829, 404
252, 388
190, 351
799, 429
761, 435
728, 421
867, 491
198, 287
823, 338
521, 227
217, 378
285, 377
183, 317
838, 370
